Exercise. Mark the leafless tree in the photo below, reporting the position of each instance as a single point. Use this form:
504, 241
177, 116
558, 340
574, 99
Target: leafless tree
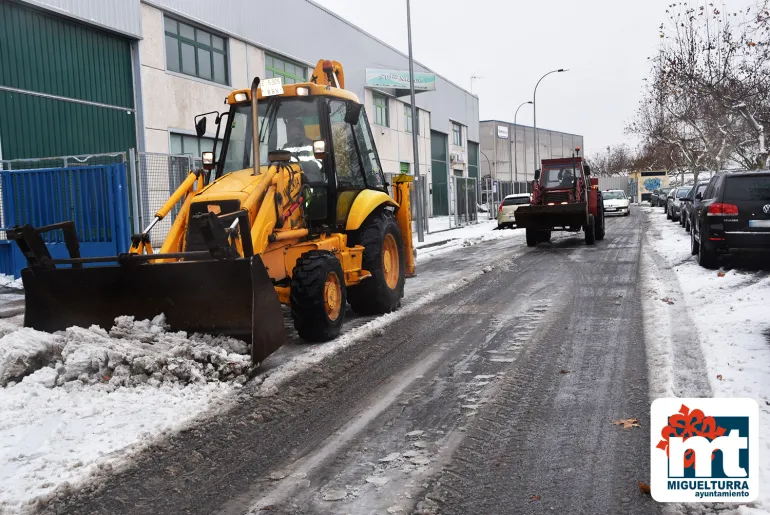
710, 78
616, 161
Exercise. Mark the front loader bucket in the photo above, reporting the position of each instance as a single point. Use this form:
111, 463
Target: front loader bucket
543, 217
228, 297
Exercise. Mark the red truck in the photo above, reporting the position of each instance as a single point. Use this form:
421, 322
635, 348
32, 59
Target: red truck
564, 198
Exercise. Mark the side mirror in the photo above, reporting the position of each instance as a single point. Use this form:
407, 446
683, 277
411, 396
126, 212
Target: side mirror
319, 149
207, 158
200, 127
587, 169
353, 113
699, 196
537, 174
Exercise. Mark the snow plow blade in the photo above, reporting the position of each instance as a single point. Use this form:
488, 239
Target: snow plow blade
220, 297
540, 217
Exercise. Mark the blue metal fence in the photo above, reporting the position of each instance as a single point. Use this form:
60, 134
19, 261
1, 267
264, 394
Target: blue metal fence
94, 197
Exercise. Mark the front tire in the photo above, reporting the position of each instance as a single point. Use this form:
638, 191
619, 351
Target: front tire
590, 230
599, 224
318, 296
532, 237
384, 259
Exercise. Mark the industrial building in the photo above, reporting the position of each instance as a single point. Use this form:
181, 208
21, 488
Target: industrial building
92, 77
508, 150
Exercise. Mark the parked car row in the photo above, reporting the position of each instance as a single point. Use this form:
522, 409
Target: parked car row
728, 215
658, 197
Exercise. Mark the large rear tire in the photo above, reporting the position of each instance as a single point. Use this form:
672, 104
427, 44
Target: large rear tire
590, 230
545, 236
532, 237
318, 296
384, 259
707, 258
599, 222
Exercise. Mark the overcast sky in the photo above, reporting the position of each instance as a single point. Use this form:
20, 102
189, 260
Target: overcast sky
512, 43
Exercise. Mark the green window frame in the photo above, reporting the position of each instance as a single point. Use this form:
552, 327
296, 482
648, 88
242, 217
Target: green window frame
457, 134
405, 168
408, 119
290, 71
195, 52
381, 110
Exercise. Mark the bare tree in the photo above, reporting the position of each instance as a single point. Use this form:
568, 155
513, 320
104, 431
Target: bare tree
709, 81
616, 161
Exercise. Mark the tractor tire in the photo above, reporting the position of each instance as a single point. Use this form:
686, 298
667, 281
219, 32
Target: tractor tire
545, 237
590, 230
532, 238
318, 296
384, 259
599, 224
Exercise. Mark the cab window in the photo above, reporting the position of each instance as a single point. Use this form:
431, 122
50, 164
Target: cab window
347, 161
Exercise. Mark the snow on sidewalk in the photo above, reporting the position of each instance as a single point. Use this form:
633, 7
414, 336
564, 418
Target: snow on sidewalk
730, 314
438, 243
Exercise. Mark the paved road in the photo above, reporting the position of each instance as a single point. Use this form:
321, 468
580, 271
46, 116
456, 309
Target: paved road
496, 398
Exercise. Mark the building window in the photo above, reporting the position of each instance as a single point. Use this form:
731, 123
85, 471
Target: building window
289, 71
191, 145
457, 134
195, 52
408, 118
405, 168
381, 110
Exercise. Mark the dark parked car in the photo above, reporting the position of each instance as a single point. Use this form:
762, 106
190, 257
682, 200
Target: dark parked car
674, 204
658, 197
689, 202
733, 216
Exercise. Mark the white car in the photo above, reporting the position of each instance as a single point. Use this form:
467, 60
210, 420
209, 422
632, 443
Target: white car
505, 216
616, 201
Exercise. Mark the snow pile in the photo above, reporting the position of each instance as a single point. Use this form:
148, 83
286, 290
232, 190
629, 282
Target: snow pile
132, 353
729, 313
10, 281
439, 243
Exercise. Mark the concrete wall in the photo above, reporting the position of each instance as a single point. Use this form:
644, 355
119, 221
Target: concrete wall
116, 15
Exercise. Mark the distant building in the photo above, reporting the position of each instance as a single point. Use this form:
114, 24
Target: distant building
643, 183
501, 142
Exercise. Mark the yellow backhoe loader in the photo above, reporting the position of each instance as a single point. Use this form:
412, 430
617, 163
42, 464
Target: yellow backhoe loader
310, 226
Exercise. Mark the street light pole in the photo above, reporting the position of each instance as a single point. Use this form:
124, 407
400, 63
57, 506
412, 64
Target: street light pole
415, 142
534, 113
516, 146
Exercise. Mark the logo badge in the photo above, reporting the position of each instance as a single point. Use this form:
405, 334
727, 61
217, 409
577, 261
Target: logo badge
704, 450
766, 209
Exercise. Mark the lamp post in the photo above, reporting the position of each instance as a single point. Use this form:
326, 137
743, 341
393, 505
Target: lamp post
491, 181
516, 146
534, 113
420, 190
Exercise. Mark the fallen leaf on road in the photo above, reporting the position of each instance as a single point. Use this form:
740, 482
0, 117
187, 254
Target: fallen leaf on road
719, 376
562, 371
667, 300
721, 274
534, 498
266, 508
628, 423
643, 487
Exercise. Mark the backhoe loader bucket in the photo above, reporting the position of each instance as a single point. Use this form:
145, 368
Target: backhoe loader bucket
221, 297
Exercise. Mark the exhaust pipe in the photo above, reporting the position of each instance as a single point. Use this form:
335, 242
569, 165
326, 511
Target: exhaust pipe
255, 121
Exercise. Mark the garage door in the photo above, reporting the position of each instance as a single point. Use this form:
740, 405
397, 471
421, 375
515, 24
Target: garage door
65, 88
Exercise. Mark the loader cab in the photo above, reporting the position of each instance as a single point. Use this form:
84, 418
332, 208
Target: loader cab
329, 138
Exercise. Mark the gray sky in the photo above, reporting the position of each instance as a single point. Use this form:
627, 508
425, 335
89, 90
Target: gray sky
511, 44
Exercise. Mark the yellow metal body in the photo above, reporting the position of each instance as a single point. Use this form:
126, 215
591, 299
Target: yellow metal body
268, 195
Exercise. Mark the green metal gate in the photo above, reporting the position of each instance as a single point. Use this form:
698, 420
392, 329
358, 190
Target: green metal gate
439, 166
65, 88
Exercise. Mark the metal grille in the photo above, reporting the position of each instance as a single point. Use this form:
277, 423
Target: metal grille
556, 196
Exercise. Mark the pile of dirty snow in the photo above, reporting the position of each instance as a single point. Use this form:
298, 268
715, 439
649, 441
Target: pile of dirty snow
10, 281
80, 402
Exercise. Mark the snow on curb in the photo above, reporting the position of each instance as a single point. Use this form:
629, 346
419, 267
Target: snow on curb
730, 315
10, 281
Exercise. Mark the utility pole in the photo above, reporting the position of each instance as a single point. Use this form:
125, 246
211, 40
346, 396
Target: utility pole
415, 143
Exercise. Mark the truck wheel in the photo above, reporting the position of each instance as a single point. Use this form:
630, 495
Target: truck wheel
545, 236
384, 259
318, 296
590, 230
694, 246
599, 224
532, 238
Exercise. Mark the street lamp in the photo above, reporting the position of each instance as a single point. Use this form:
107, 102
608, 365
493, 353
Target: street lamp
419, 189
534, 113
516, 146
